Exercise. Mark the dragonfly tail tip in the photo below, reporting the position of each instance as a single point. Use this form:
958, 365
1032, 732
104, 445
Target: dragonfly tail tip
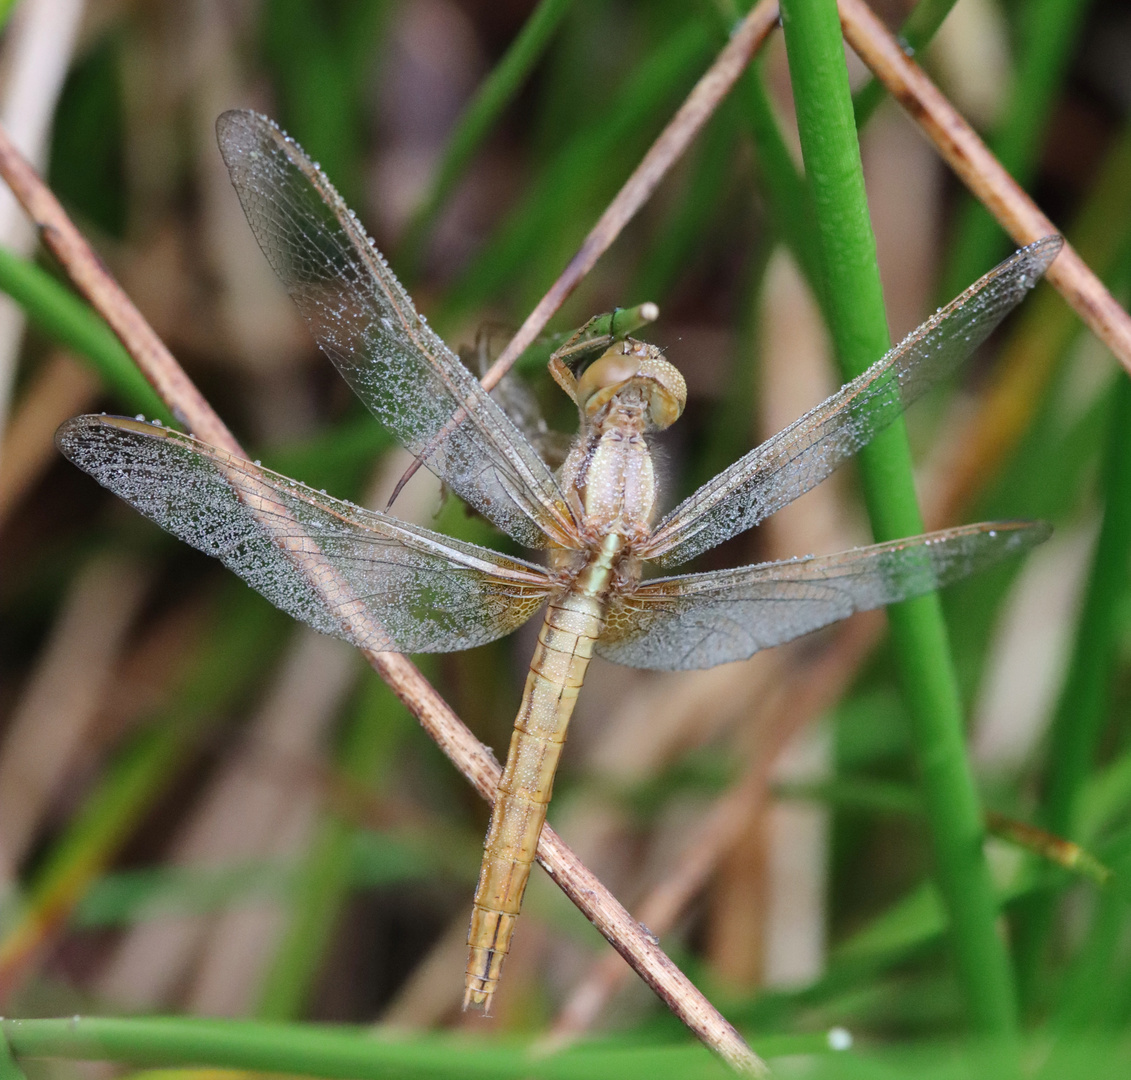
479, 999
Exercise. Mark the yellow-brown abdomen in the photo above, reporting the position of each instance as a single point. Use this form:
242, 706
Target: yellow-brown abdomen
565, 645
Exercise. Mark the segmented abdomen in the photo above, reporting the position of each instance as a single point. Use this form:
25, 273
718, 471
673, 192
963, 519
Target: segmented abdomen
565, 645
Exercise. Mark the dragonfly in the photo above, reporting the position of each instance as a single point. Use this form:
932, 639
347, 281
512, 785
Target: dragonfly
596, 518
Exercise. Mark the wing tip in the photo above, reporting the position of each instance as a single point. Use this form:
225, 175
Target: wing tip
1024, 533
233, 120
1043, 251
74, 433
1038, 256
67, 434
232, 128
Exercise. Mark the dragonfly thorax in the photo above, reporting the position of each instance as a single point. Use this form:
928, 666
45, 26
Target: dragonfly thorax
608, 476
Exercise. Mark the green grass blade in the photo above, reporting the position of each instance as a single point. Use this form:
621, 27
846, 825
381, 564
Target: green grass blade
139, 773
356, 1054
1084, 703
1084, 700
57, 311
681, 238
859, 328
791, 209
541, 234
322, 59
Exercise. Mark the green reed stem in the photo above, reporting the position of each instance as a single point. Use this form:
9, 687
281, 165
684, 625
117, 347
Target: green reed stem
361, 1054
9, 1067
858, 324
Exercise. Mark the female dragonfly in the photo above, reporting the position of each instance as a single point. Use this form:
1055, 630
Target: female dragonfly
596, 517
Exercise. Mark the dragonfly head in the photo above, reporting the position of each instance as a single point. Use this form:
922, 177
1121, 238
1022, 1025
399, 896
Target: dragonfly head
632, 363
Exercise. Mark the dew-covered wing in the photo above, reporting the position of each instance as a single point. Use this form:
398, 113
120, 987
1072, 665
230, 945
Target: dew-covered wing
365, 322
350, 572
805, 453
700, 620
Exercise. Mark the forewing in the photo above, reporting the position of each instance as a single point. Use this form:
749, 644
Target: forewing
365, 322
427, 592
700, 620
803, 454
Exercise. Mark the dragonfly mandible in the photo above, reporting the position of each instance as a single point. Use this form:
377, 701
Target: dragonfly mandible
595, 517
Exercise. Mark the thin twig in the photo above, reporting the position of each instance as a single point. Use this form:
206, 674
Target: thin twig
700, 105
983, 174
471, 757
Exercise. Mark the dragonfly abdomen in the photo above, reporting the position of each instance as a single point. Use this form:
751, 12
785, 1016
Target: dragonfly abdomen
572, 624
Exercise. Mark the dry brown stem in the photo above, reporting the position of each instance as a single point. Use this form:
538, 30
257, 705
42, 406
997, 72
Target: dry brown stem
982, 173
471, 757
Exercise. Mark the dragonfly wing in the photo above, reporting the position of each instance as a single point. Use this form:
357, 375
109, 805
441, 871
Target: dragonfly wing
366, 323
427, 592
803, 454
700, 620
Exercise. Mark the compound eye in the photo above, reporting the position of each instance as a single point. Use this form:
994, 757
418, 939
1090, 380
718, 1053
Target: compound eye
669, 391
606, 375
